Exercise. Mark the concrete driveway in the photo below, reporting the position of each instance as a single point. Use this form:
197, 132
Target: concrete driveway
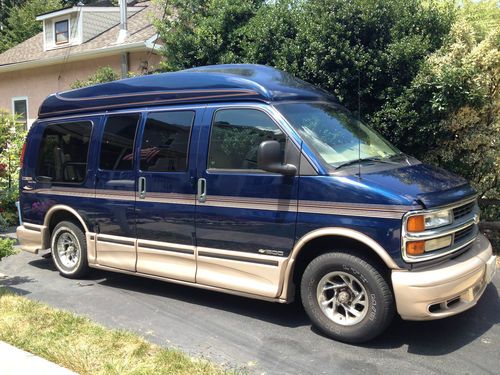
261, 337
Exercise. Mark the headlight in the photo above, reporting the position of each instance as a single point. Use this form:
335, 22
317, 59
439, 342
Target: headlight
419, 223
438, 219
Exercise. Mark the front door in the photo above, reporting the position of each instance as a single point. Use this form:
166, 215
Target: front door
115, 190
245, 217
165, 205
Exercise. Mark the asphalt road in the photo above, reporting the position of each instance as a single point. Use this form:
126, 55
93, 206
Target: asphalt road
261, 337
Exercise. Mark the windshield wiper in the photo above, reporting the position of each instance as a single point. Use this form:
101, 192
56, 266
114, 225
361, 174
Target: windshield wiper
356, 161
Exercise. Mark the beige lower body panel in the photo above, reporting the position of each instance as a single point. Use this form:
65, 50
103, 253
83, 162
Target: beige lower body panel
246, 274
91, 247
446, 289
30, 237
243, 272
187, 283
116, 252
173, 261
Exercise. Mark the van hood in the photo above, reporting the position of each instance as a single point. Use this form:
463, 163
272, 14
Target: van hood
426, 184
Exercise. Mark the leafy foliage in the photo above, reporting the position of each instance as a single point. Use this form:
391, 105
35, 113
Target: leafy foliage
449, 114
19, 21
12, 136
327, 42
6, 247
102, 75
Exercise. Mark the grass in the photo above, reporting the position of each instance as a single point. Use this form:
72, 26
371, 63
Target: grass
85, 347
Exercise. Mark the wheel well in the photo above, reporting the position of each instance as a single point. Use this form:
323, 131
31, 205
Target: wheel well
322, 245
56, 218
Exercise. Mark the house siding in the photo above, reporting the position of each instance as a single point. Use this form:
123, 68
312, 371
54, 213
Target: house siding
38, 83
49, 31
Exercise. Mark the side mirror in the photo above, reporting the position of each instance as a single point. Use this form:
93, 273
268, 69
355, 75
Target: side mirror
269, 159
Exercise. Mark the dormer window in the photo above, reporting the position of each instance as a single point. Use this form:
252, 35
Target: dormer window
61, 32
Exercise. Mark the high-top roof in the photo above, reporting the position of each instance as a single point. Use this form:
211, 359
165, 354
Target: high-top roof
238, 82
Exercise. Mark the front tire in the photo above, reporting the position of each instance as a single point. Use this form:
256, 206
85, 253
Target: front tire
346, 297
69, 250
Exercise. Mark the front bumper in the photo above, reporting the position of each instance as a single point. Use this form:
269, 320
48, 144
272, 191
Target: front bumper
446, 289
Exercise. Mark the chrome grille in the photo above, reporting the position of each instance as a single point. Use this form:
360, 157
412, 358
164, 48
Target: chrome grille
464, 210
464, 233
463, 230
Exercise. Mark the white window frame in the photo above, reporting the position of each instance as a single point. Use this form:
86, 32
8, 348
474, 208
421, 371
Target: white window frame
17, 99
54, 31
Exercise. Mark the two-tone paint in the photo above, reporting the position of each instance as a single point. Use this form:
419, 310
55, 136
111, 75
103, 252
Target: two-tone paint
249, 228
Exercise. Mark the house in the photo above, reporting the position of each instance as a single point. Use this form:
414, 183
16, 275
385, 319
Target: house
75, 42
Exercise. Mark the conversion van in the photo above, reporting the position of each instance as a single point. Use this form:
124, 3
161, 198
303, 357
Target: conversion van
245, 180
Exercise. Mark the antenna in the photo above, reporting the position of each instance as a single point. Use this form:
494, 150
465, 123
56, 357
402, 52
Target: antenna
359, 119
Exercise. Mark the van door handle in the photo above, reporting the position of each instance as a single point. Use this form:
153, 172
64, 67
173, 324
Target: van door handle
202, 190
142, 187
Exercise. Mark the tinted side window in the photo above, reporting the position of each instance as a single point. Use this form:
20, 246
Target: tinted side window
236, 136
166, 141
64, 150
117, 146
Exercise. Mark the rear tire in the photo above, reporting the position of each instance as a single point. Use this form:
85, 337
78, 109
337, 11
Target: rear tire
346, 297
69, 250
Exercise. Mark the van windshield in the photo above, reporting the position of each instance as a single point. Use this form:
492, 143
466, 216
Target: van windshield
335, 134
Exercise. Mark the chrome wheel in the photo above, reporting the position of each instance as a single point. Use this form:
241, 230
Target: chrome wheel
68, 249
342, 298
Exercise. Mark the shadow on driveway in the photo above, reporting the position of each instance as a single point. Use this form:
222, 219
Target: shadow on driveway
431, 338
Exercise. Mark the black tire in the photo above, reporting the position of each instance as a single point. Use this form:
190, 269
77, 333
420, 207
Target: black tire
379, 298
62, 262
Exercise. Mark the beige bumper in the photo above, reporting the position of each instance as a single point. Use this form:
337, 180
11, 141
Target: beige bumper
30, 237
446, 289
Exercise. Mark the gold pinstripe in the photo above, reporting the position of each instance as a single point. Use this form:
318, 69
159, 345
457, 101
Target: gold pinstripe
268, 204
150, 93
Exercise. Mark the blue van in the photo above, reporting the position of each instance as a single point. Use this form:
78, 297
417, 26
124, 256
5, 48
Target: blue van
245, 180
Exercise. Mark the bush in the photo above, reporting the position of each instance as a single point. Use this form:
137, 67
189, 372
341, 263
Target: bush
102, 75
12, 136
6, 247
449, 115
8, 209
326, 42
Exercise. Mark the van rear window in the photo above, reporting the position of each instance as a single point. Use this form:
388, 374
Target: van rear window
166, 141
63, 152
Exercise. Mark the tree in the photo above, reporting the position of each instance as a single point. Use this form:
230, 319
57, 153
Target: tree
198, 32
20, 22
331, 43
449, 115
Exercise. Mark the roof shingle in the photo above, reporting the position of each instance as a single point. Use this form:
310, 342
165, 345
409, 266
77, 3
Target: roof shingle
140, 30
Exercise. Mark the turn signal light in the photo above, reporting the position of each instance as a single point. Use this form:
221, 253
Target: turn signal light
415, 248
415, 223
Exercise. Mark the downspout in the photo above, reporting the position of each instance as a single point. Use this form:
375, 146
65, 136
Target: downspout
124, 64
122, 36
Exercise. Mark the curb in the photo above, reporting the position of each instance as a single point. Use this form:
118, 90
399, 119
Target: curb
14, 361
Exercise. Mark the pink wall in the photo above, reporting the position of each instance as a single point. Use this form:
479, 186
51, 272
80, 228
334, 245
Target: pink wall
38, 83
